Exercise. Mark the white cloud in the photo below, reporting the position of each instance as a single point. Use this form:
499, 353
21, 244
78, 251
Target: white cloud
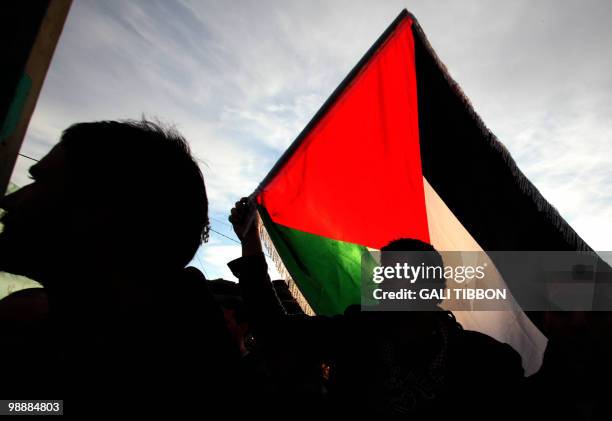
212, 259
215, 257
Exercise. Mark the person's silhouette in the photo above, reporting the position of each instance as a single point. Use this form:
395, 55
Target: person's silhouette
114, 214
385, 363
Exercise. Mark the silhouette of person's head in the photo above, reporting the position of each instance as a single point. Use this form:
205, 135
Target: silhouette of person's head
110, 196
418, 254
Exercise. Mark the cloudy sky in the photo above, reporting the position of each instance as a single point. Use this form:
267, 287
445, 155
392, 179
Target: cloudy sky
240, 79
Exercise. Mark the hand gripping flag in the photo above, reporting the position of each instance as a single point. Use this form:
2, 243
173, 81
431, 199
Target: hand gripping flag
398, 152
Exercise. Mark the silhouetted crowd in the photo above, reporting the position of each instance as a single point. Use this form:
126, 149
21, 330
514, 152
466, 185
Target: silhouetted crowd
115, 213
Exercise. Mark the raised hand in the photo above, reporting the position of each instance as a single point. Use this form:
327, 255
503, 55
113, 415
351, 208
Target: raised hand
244, 221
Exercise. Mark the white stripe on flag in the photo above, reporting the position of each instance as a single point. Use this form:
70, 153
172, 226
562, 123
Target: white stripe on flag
511, 326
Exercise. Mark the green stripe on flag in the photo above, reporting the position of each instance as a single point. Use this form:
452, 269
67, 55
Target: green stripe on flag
327, 272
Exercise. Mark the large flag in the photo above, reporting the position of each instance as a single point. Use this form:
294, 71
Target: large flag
398, 152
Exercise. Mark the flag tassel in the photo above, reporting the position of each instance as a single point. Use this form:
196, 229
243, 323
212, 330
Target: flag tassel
282, 270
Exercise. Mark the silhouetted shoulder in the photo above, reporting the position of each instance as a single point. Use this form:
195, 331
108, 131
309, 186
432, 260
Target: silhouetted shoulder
487, 355
29, 304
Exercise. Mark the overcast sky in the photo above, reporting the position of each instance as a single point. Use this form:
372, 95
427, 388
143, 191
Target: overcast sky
240, 79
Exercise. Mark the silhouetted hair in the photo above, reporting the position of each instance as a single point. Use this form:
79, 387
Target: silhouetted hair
417, 252
147, 174
409, 244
